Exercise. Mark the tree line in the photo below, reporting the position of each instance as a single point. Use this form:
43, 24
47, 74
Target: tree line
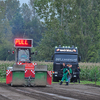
52, 23
17, 21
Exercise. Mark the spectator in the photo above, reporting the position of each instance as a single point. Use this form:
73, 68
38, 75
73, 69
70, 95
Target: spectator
78, 73
65, 72
70, 72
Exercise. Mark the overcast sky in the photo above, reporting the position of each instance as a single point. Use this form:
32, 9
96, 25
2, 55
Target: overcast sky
21, 1
24, 1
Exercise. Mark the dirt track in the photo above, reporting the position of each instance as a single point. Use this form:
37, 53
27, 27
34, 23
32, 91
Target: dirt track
53, 92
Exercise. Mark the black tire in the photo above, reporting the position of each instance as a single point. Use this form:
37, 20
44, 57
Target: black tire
9, 84
74, 79
55, 79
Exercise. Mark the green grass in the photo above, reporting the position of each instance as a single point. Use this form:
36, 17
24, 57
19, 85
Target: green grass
90, 82
83, 82
87, 83
2, 80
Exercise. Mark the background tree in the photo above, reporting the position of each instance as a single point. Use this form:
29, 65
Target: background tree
78, 19
50, 39
52, 23
5, 33
17, 25
12, 7
32, 25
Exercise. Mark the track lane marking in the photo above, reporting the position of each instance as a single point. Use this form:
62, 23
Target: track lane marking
81, 92
50, 94
12, 95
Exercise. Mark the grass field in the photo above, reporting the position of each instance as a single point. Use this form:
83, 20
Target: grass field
3, 80
90, 82
82, 65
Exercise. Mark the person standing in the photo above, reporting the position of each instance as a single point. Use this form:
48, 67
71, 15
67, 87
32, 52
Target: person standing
78, 73
65, 73
70, 72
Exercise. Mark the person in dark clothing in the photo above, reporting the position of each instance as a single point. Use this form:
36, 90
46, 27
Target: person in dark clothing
78, 73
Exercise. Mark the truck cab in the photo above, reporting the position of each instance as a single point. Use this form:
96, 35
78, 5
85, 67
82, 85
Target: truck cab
23, 50
67, 55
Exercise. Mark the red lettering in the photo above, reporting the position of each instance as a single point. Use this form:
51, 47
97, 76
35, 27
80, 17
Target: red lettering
22, 43
17, 41
26, 43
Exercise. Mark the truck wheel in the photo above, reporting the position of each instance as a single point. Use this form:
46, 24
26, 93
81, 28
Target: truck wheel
55, 80
72, 80
9, 84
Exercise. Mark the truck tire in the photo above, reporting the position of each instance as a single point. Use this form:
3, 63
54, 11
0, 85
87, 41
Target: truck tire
55, 79
74, 79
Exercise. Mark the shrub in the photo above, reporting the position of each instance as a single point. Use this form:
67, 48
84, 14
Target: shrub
90, 73
94, 74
